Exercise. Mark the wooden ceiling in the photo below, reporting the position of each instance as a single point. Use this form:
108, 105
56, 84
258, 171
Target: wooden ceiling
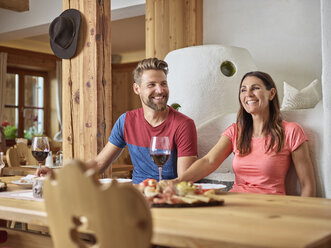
15, 5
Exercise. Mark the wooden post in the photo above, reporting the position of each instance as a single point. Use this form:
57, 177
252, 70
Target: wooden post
87, 108
172, 24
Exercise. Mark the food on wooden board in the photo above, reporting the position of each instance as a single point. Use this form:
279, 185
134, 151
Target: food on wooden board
169, 193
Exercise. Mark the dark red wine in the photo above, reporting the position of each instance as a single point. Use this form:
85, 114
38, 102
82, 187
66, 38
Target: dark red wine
40, 155
160, 159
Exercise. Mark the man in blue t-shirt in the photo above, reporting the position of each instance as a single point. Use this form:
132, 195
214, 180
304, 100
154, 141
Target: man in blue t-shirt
135, 128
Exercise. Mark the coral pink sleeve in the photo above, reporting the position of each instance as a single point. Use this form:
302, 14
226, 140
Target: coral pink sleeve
230, 132
295, 134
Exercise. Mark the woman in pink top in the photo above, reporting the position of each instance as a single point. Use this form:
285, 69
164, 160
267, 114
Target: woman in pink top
264, 145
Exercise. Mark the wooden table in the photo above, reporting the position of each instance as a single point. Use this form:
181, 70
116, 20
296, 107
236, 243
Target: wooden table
117, 170
245, 220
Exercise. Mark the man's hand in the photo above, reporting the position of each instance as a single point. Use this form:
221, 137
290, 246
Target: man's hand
43, 171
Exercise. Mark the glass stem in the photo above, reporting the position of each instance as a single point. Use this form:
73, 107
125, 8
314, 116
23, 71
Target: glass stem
160, 173
39, 165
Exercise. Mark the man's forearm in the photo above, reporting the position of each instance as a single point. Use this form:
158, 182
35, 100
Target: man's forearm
105, 158
94, 164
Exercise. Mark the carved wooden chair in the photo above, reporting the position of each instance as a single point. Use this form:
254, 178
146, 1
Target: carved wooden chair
20, 154
24, 152
12, 157
116, 215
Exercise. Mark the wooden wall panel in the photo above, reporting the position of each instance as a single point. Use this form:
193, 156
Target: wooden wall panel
124, 98
172, 24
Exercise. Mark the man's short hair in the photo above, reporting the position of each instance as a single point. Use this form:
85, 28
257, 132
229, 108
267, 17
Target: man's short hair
149, 64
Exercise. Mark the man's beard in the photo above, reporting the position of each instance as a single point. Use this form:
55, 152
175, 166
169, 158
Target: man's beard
154, 106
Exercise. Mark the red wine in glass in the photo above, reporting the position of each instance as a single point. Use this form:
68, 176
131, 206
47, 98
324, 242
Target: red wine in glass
160, 152
40, 155
40, 149
160, 159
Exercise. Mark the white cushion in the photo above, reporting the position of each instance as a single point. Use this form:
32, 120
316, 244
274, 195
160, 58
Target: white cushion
305, 98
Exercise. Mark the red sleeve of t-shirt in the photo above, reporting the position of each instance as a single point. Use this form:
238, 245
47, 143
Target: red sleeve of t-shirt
186, 139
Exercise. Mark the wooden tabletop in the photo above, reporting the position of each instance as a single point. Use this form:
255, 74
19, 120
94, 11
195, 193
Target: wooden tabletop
248, 220
245, 220
117, 169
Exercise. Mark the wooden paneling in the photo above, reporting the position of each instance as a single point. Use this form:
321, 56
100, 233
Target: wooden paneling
26, 62
87, 109
15, 5
172, 24
29, 60
124, 98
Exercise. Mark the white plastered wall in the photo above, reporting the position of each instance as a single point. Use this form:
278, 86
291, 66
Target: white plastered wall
283, 36
326, 81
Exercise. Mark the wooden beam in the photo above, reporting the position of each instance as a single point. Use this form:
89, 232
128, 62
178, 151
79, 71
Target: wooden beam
172, 24
87, 86
15, 5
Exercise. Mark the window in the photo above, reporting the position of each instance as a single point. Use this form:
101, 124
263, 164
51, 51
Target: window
25, 103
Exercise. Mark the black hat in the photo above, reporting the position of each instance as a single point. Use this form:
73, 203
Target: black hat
63, 33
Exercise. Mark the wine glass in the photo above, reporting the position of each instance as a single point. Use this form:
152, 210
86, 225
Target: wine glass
160, 152
40, 149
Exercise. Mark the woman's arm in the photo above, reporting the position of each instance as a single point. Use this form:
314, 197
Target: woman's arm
210, 162
304, 169
183, 163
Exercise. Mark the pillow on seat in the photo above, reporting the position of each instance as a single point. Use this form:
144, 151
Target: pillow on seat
305, 98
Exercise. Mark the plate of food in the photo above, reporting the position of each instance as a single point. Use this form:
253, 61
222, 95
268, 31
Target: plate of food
184, 194
208, 186
26, 182
23, 184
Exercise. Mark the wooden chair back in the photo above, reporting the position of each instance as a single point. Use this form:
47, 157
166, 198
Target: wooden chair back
25, 154
21, 140
12, 157
116, 214
20, 154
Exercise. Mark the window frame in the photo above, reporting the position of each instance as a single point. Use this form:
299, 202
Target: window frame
21, 97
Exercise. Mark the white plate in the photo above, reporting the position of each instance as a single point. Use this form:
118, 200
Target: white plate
120, 180
211, 185
23, 184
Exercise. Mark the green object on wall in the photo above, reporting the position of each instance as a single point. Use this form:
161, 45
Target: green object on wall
228, 68
176, 106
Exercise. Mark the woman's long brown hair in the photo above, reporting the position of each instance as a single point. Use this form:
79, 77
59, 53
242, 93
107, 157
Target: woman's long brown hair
273, 126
